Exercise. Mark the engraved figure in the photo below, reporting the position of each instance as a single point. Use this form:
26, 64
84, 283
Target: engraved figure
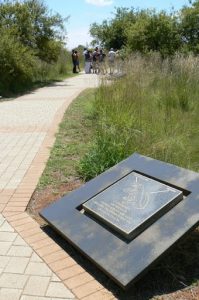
137, 195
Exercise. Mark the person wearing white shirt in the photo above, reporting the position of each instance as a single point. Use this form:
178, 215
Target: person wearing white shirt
111, 60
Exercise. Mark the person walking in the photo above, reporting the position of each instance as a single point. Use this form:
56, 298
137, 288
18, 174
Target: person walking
111, 60
74, 58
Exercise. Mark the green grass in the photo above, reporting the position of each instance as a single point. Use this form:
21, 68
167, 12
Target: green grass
75, 133
153, 110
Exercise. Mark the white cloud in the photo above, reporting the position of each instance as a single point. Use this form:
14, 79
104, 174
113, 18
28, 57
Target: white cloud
100, 2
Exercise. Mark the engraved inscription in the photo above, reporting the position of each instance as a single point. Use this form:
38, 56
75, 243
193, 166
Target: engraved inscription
118, 211
131, 202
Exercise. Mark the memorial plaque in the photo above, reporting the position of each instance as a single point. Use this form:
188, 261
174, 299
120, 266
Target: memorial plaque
132, 203
126, 260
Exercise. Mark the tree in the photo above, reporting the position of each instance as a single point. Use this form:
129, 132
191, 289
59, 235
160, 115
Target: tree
154, 31
31, 39
34, 26
139, 30
111, 34
190, 27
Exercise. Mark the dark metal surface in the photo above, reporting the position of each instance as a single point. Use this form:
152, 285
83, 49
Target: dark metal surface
125, 261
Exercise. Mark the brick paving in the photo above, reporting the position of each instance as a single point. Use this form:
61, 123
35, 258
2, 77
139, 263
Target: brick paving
32, 265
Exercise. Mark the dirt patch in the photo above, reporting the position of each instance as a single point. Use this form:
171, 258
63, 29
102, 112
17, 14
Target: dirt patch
42, 198
187, 294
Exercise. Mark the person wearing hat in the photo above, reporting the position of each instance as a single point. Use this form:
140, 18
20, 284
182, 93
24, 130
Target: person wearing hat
111, 60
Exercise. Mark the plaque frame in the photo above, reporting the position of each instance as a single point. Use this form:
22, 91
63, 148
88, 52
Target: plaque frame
141, 226
125, 262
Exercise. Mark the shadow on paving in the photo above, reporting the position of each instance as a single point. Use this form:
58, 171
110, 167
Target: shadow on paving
31, 89
175, 271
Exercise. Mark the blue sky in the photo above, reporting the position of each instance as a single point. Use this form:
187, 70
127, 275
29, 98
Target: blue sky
85, 12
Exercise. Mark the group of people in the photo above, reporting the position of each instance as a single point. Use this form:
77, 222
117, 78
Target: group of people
94, 61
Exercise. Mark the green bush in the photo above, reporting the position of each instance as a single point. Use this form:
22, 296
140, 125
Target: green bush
31, 45
17, 64
52, 71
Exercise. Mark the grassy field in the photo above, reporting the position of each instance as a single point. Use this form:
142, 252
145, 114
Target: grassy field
153, 110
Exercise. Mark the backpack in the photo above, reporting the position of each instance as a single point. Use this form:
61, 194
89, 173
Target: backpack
87, 55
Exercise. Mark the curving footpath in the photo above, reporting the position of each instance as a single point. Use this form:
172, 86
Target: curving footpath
32, 265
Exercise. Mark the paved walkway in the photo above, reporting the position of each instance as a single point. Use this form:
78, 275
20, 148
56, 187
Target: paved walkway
32, 265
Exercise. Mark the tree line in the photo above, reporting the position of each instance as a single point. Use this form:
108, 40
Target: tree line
31, 44
150, 30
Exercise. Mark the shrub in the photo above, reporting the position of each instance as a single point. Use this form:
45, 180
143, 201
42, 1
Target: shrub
17, 64
31, 45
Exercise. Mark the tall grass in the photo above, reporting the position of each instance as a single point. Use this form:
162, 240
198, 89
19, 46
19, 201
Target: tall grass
153, 110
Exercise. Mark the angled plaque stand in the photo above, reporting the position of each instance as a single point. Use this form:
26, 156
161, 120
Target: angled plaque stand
137, 210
